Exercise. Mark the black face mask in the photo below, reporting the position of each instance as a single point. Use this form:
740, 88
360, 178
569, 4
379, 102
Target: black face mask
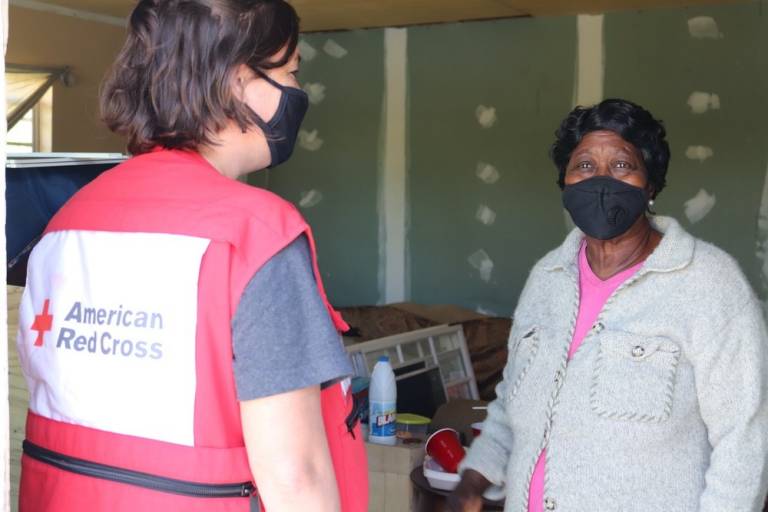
283, 129
604, 207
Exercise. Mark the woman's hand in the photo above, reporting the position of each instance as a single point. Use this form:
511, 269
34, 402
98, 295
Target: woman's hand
468, 495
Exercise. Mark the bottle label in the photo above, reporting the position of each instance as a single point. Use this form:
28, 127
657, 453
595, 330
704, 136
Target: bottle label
382, 419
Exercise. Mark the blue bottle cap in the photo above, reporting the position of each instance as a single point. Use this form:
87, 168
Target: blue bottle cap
383, 359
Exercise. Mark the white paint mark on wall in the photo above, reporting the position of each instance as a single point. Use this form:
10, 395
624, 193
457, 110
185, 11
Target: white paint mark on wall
307, 51
704, 27
590, 60
486, 116
392, 200
310, 198
485, 311
699, 153
482, 263
310, 141
315, 91
487, 173
699, 206
485, 215
590, 69
701, 102
762, 243
334, 49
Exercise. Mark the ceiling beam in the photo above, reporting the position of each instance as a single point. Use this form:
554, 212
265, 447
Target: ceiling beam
328, 15
571, 7
356, 14
68, 11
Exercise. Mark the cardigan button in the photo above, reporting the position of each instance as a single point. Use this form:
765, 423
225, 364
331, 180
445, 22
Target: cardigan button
638, 351
549, 504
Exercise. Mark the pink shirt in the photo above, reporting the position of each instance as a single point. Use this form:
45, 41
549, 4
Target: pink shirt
593, 293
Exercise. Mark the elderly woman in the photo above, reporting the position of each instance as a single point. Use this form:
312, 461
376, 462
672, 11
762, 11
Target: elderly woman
636, 378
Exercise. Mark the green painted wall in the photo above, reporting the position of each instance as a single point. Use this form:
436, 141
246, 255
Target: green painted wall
524, 69
344, 169
652, 58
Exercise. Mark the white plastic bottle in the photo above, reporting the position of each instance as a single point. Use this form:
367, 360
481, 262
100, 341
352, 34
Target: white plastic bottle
382, 397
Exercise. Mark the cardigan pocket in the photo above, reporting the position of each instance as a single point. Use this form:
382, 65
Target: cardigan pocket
524, 348
634, 377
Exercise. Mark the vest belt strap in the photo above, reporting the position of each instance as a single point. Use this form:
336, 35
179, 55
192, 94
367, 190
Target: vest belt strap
129, 477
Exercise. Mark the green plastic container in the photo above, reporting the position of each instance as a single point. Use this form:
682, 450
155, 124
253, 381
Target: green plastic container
412, 427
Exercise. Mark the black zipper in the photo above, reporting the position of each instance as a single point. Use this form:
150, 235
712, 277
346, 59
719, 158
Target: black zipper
130, 477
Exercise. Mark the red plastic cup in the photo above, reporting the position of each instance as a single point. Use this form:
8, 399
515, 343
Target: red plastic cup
445, 447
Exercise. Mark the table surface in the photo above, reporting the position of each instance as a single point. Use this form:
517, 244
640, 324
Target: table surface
421, 482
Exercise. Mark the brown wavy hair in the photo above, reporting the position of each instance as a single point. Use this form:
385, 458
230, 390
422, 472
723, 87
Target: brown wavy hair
170, 85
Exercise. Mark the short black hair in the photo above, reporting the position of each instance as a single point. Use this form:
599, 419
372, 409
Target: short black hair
630, 121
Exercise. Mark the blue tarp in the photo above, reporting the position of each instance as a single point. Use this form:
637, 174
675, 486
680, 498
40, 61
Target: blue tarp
34, 193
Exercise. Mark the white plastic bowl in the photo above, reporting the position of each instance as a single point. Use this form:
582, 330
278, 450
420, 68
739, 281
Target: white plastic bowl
439, 478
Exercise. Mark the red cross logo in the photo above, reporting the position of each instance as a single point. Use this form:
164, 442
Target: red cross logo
43, 324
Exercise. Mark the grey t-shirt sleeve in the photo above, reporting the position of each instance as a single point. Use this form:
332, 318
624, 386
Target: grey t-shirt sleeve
283, 338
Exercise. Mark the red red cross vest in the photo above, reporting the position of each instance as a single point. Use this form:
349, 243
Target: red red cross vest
125, 342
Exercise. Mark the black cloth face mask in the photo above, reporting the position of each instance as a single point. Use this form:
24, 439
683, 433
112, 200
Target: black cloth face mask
604, 207
282, 130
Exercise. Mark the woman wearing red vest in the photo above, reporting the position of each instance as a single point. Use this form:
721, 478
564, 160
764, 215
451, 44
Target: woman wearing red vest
180, 351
